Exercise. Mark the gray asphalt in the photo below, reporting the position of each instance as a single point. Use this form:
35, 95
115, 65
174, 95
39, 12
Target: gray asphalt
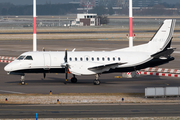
88, 111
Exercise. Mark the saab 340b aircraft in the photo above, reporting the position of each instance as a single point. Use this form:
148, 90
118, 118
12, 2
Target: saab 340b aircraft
156, 52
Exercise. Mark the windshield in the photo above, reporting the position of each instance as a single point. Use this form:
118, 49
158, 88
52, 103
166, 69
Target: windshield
20, 58
28, 58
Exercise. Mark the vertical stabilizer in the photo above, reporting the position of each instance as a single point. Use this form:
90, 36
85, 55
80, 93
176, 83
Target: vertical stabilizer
163, 36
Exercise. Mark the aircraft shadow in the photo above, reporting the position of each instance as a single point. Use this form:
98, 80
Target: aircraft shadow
53, 80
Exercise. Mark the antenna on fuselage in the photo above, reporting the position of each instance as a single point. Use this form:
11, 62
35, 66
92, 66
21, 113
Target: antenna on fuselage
34, 27
130, 24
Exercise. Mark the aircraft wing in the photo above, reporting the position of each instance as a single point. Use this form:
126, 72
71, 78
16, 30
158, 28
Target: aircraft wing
105, 66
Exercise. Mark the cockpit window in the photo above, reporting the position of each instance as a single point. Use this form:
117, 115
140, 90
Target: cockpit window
28, 58
20, 58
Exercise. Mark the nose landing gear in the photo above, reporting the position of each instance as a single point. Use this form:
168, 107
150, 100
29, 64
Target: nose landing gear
22, 82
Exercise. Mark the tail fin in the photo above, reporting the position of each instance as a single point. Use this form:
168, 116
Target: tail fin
162, 39
159, 42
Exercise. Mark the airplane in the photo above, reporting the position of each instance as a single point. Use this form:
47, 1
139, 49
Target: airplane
80, 63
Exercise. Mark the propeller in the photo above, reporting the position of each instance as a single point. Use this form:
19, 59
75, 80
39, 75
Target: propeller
44, 74
66, 66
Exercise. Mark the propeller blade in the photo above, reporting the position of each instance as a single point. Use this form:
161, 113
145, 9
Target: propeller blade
65, 58
66, 74
66, 67
44, 75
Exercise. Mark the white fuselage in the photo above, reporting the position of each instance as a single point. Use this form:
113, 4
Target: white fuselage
79, 61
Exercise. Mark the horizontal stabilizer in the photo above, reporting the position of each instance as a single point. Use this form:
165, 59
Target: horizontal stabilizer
165, 53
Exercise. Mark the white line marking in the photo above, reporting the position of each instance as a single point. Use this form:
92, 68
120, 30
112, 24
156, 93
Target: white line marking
11, 92
176, 51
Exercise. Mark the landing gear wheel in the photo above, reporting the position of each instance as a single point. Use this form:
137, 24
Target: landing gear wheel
97, 82
74, 80
22, 83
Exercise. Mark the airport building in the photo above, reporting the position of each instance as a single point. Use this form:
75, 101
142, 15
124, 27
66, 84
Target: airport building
86, 20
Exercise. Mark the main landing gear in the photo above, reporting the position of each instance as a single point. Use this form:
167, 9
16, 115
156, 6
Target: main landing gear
73, 79
97, 81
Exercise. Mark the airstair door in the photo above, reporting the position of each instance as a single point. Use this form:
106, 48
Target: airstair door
47, 61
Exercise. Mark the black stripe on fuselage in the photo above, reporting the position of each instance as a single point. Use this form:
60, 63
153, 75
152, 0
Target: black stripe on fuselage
41, 70
152, 63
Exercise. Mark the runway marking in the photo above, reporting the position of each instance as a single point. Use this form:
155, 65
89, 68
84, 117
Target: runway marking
117, 76
176, 51
11, 92
166, 83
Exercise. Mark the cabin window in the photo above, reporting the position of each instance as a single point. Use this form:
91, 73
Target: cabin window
103, 59
81, 59
108, 59
92, 59
28, 58
97, 59
92, 22
87, 59
20, 58
75, 59
113, 59
119, 58
70, 59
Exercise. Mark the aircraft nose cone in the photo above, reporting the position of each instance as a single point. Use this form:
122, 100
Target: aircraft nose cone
7, 68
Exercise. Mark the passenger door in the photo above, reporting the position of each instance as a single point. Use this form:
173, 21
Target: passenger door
47, 61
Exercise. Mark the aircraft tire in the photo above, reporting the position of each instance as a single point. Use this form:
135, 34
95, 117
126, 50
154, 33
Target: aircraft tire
74, 80
22, 83
97, 82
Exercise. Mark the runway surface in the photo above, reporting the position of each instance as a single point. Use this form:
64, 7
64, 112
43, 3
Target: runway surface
88, 111
55, 82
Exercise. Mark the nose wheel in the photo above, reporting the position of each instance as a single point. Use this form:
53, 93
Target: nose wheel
22, 82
